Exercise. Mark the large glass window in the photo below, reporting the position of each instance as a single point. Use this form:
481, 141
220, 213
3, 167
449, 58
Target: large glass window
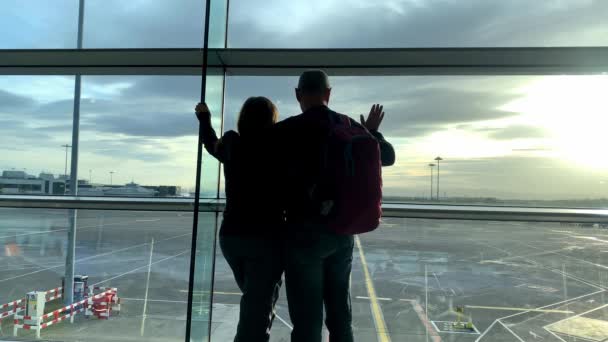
145, 255
139, 136
502, 139
144, 24
539, 279
412, 23
35, 127
38, 24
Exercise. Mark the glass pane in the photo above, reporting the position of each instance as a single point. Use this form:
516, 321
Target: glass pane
415, 23
35, 124
206, 239
39, 24
217, 23
144, 24
508, 140
138, 136
145, 255
539, 279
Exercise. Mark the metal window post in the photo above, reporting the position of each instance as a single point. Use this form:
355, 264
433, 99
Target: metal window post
73, 213
197, 192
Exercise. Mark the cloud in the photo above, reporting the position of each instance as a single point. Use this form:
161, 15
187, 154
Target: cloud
312, 23
514, 177
13, 102
517, 132
418, 106
132, 148
355, 23
39, 24
145, 123
11, 125
143, 24
415, 106
174, 87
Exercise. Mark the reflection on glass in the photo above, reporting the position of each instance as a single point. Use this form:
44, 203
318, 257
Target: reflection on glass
145, 255
508, 140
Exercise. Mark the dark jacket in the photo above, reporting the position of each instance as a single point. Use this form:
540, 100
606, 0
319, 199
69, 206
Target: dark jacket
302, 139
252, 201
268, 176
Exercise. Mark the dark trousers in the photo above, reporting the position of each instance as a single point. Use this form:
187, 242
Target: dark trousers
258, 266
319, 273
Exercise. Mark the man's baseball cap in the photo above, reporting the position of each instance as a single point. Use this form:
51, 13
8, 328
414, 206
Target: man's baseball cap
313, 81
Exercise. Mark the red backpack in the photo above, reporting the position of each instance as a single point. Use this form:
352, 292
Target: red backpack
352, 178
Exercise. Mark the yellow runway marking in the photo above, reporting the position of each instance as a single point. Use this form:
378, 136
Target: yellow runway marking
517, 309
379, 322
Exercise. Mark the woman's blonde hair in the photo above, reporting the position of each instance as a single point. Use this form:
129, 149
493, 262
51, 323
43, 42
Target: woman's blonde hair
257, 114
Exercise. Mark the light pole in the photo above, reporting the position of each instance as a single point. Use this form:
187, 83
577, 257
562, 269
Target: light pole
65, 171
432, 166
438, 159
111, 174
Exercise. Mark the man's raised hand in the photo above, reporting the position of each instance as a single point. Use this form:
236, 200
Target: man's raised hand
374, 119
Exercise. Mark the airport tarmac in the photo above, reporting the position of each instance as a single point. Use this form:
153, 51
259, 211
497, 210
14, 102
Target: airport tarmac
516, 281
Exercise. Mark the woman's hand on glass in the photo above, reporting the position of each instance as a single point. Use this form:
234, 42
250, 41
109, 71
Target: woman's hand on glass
202, 112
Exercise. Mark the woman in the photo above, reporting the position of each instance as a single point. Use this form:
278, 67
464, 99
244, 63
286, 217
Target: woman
250, 234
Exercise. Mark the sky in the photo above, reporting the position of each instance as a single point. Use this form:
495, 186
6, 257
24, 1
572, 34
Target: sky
511, 137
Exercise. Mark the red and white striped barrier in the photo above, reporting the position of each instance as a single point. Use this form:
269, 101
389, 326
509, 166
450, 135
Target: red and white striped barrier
14, 307
10, 309
55, 294
86, 305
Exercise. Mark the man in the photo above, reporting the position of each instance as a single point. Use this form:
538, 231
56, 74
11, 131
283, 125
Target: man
319, 262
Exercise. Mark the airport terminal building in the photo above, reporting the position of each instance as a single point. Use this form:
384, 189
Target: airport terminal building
494, 213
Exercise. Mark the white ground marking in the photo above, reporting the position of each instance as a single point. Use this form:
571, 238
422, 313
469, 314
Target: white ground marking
578, 315
511, 331
378, 298
554, 334
521, 256
143, 320
571, 257
284, 322
60, 230
89, 258
200, 293
486, 331
592, 238
553, 270
517, 309
141, 267
542, 307
154, 300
